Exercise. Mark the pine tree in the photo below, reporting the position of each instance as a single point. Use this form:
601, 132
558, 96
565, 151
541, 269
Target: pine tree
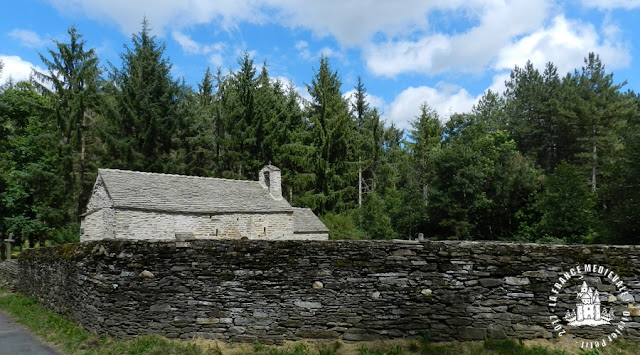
600, 112
537, 120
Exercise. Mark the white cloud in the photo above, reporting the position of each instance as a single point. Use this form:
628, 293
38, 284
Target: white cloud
353, 22
300, 45
498, 82
565, 43
331, 53
28, 38
303, 50
350, 21
216, 60
192, 47
396, 37
188, 45
446, 99
470, 51
163, 14
612, 4
305, 53
16, 68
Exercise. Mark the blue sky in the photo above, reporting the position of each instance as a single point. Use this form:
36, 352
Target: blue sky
443, 52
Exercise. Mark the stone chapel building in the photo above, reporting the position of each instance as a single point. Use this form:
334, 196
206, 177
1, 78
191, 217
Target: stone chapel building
138, 205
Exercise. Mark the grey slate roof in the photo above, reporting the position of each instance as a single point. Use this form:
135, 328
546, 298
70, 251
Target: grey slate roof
304, 220
190, 194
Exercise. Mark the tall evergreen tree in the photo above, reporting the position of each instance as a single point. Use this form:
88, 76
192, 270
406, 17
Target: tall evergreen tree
238, 105
367, 140
295, 156
332, 127
537, 119
425, 138
145, 115
601, 110
73, 75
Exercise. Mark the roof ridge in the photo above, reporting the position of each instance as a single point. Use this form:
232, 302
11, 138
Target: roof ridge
175, 175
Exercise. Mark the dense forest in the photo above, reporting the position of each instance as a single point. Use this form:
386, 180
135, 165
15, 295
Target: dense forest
553, 158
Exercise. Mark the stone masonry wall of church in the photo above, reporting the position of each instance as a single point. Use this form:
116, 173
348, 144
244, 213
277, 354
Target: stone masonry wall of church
98, 225
272, 291
134, 224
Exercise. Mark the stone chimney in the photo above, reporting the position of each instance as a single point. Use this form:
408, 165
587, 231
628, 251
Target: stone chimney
271, 178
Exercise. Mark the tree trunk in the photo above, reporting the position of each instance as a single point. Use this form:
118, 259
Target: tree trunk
425, 194
594, 162
359, 184
82, 162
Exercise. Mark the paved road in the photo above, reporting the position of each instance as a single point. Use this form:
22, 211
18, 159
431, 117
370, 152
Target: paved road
15, 339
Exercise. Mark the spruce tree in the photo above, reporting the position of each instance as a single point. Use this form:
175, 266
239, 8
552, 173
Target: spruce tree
72, 80
425, 138
333, 158
145, 116
367, 140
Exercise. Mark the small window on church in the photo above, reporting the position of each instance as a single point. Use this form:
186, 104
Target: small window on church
265, 230
267, 179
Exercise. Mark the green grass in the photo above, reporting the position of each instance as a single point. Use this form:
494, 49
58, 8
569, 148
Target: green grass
72, 339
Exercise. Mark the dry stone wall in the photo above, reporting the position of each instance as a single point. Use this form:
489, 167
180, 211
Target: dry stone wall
8, 273
247, 290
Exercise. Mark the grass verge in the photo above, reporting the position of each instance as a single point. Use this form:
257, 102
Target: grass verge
70, 338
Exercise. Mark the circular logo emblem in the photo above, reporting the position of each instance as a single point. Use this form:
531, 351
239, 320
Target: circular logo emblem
589, 302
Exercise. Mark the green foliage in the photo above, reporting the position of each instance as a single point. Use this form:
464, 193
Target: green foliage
375, 220
511, 347
33, 194
73, 74
567, 206
144, 116
496, 172
481, 182
73, 339
332, 157
343, 225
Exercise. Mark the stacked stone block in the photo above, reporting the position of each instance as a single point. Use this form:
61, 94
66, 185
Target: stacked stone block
271, 291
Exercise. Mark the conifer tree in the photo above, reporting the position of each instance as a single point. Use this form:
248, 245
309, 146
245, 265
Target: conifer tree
238, 105
425, 138
601, 111
537, 120
73, 75
145, 115
333, 157
367, 140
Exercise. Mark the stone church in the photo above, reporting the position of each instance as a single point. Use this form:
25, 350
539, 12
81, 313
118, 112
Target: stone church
138, 205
